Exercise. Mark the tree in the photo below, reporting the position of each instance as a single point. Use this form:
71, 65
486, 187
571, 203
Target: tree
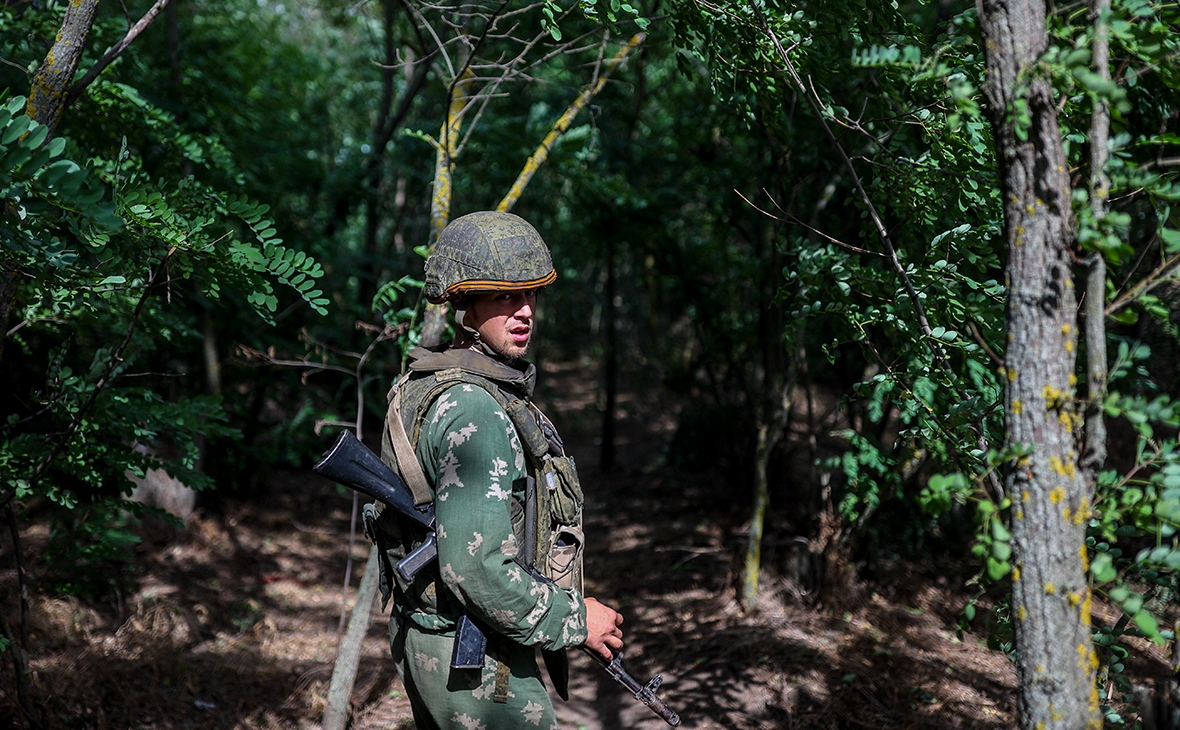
99, 251
930, 402
1055, 658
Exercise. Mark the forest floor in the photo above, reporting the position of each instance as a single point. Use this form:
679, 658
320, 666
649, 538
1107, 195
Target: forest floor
234, 623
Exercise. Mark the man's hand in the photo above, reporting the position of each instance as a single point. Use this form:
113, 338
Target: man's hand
602, 624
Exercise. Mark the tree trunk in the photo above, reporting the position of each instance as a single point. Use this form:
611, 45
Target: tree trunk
435, 321
9, 285
47, 98
349, 656
47, 101
1055, 659
610, 359
1094, 455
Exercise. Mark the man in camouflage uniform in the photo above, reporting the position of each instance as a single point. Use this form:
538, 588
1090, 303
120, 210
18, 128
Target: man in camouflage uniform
505, 496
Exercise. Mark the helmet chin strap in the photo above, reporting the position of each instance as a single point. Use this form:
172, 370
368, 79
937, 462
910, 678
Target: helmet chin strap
470, 334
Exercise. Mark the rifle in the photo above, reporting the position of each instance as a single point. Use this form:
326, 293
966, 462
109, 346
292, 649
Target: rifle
351, 464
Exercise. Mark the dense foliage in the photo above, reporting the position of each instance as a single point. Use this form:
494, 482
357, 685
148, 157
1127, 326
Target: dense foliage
786, 215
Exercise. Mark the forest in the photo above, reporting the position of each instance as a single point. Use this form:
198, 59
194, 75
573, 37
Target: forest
865, 338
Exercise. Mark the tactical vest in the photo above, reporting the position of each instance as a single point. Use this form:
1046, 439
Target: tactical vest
547, 523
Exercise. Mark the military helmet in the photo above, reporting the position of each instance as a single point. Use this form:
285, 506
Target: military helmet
487, 251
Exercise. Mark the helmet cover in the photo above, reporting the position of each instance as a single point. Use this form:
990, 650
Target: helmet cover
487, 251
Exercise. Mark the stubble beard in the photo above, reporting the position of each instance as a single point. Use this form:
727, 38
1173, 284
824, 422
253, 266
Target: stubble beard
511, 352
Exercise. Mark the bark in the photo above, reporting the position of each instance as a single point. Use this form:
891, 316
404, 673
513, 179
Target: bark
47, 98
349, 655
435, 321
775, 378
1055, 659
1096, 372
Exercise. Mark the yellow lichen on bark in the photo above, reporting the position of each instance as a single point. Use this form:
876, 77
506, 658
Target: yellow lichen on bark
1065, 469
1053, 397
542, 152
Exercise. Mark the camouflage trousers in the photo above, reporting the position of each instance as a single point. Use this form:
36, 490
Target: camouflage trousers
465, 699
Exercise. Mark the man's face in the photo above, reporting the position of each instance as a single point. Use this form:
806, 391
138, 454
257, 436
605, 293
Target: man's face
504, 320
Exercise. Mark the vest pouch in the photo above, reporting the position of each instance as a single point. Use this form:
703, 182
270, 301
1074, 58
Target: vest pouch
565, 557
565, 491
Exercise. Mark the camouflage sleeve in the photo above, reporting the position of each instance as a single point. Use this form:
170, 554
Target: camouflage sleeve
470, 451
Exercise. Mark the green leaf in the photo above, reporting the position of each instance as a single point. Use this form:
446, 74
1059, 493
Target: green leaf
1147, 623
1102, 568
15, 130
997, 569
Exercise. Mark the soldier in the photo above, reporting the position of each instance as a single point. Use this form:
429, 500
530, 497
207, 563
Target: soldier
462, 425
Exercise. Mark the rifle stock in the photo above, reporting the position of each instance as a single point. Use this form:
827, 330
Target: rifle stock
349, 462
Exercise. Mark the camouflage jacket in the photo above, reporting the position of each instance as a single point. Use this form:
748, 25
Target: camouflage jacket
481, 444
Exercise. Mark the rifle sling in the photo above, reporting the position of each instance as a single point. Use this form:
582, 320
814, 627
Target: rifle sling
407, 460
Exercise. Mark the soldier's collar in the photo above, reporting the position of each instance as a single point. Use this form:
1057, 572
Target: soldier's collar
517, 372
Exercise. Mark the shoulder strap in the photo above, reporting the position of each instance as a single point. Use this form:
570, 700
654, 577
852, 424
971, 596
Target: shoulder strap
518, 411
407, 460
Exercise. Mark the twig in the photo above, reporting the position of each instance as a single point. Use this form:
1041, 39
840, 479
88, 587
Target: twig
114, 51
1152, 280
559, 128
796, 221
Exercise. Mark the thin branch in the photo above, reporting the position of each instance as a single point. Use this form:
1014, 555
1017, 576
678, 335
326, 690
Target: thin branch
1162, 162
793, 219
114, 51
1152, 280
864, 196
